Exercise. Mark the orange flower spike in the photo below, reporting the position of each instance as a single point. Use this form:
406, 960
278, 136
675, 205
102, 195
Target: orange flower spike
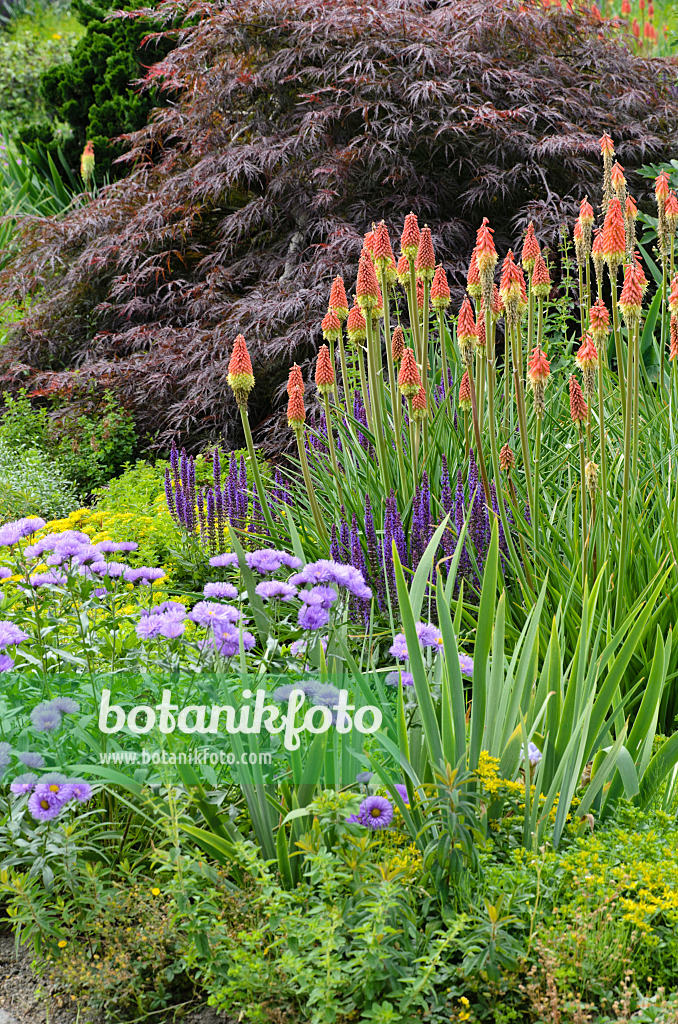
481, 340
331, 326
425, 263
541, 279
473, 277
671, 211
403, 271
617, 175
486, 254
367, 287
409, 240
631, 298
356, 327
579, 243
509, 288
673, 351
467, 334
631, 208
661, 187
673, 296
599, 321
419, 404
368, 243
440, 290
296, 412
295, 379
338, 301
382, 253
324, 371
587, 361
465, 393
539, 368
578, 407
409, 379
240, 374
397, 344
606, 146
586, 220
497, 307
614, 235
530, 249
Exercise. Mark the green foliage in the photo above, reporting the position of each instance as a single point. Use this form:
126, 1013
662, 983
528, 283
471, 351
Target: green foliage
88, 446
31, 485
93, 91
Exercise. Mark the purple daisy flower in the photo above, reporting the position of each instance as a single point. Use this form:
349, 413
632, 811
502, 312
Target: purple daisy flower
6, 663
281, 694
401, 790
171, 627
323, 695
148, 627
320, 597
31, 759
12, 533
227, 641
5, 573
144, 573
271, 590
221, 561
23, 784
466, 665
45, 718
11, 635
206, 613
353, 819
109, 546
327, 571
223, 590
66, 705
48, 579
313, 617
44, 804
376, 812
393, 678
399, 648
79, 790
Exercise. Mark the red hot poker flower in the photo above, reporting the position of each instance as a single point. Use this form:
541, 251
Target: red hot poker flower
296, 412
539, 368
440, 290
578, 407
367, 287
606, 145
240, 373
541, 280
530, 248
599, 320
338, 301
425, 262
673, 351
661, 187
398, 344
324, 371
473, 277
331, 326
403, 271
356, 328
614, 235
295, 379
419, 404
409, 240
465, 393
383, 251
409, 379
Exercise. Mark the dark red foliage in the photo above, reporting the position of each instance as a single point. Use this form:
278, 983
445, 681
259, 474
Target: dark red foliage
301, 122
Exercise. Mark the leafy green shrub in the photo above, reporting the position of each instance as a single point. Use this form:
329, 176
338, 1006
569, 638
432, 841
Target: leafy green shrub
30, 484
94, 90
88, 448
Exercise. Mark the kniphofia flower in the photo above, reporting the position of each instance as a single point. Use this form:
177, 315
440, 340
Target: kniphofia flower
614, 235
673, 330
409, 240
530, 248
486, 256
467, 335
591, 474
419, 404
403, 271
538, 373
473, 277
507, 459
338, 301
240, 373
409, 379
671, 211
397, 344
541, 280
324, 371
331, 326
465, 392
425, 263
295, 379
367, 287
384, 260
578, 407
296, 412
586, 220
673, 296
440, 290
587, 361
356, 328
631, 298
87, 163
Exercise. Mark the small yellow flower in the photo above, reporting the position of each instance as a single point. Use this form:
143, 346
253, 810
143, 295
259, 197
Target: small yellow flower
62, 944
155, 892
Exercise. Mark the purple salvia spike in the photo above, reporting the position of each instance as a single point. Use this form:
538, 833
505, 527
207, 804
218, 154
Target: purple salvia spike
200, 503
243, 474
169, 495
216, 469
211, 522
335, 551
376, 579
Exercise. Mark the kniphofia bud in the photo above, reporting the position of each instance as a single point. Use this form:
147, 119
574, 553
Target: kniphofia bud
87, 163
467, 335
338, 301
331, 326
507, 459
324, 371
473, 277
356, 328
541, 280
578, 407
673, 330
409, 240
530, 248
409, 379
440, 290
397, 344
367, 287
240, 374
425, 263
419, 404
465, 392
614, 236
296, 412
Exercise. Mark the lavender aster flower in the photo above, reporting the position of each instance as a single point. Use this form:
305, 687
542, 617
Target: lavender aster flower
401, 790
66, 705
319, 597
223, 590
322, 695
171, 627
376, 812
174, 608
206, 613
221, 561
5, 757
313, 617
31, 759
271, 590
534, 754
6, 663
44, 804
11, 634
399, 647
5, 573
145, 573
466, 665
363, 778
227, 641
12, 533
109, 546
79, 790
48, 579
149, 626
393, 678
23, 784
46, 718
282, 694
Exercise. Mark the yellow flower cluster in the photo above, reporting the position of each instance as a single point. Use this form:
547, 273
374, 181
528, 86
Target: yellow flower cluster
491, 781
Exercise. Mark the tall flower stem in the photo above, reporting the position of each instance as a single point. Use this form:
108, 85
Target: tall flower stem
636, 394
478, 440
330, 444
395, 394
376, 383
603, 445
584, 525
621, 581
344, 369
414, 312
363, 386
424, 348
443, 349
618, 343
414, 447
537, 454
261, 493
664, 322
332, 363
317, 517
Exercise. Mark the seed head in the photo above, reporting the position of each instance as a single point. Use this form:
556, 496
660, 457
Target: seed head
465, 392
578, 407
530, 249
331, 326
473, 277
440, 290
338, 301
507, 459
425, 262
673, 296
409, 379
240, 374
324, 371
409, 240
356, 328
397, 344
673, 352
591, 473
